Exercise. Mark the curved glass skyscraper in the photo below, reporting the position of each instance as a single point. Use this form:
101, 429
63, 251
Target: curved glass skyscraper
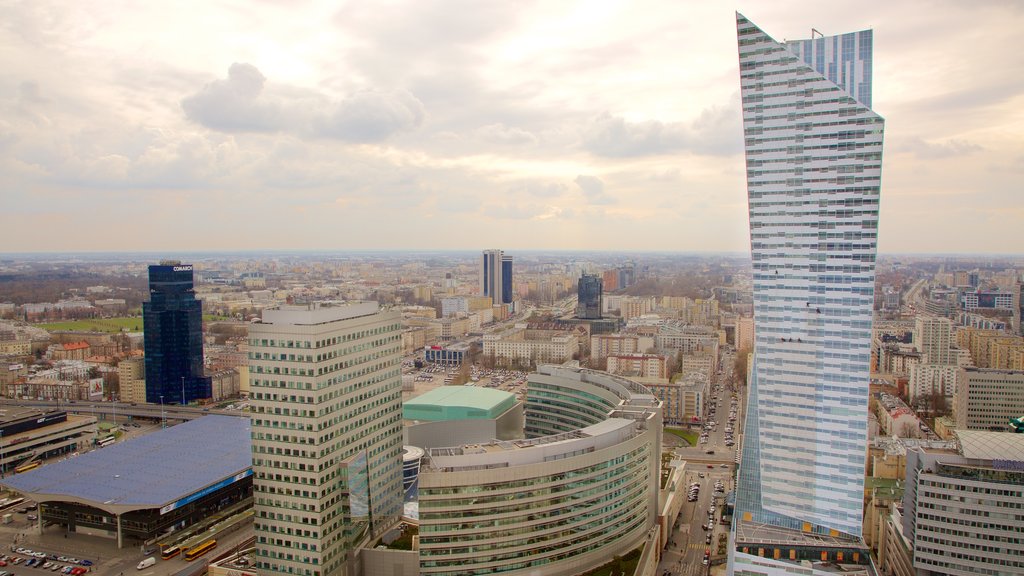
814, 157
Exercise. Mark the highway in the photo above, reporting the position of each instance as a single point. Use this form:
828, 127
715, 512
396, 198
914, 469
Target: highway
122, 410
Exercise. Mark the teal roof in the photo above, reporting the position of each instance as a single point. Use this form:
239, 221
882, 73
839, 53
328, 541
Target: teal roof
459, 403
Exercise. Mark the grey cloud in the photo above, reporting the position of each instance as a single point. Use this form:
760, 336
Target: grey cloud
374, 116
236, 104
593, 189
29, 93
539, 189
243, 103
715, 132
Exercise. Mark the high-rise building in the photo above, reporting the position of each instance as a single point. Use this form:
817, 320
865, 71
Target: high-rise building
326, 395
588, 292
172, 323
933, 336
813, 152
496, 276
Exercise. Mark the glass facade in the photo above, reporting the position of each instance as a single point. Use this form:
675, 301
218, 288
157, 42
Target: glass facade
173, 337
326, 399
813, 154
588, 291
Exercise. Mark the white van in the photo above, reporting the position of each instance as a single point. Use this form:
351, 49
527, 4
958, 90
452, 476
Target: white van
151, 561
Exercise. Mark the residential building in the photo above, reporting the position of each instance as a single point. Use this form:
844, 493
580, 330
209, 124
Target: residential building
326, 397
933, 336
813, 152
603, 345
745, 333
173, 325
642, 365
524, 346
928, 379
962, 506
986, 399
588, 303
131, 376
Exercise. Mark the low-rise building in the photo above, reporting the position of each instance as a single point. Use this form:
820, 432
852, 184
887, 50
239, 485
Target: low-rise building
642, 365
523, 346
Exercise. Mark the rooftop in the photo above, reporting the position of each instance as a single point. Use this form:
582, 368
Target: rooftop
981, 445
149, 471
459, 403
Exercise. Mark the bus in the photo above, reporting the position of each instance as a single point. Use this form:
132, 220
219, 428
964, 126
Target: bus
171, 552
27, 467
105, 441
10, 502
197, 551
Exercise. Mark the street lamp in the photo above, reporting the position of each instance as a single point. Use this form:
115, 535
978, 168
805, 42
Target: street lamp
163, 419
183, 391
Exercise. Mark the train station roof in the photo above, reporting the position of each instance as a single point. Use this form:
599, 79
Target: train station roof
167, 468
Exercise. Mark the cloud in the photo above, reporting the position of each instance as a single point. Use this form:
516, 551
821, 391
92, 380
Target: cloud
715, 132
939, 150
593, 189
501, 134
373, 116
242, 103
236, 104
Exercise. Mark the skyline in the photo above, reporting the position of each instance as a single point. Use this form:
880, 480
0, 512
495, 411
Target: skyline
265, 127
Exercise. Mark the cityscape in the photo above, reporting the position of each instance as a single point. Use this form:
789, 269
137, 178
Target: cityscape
439, 307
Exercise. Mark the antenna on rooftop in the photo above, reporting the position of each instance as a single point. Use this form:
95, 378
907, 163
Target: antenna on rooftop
816, 31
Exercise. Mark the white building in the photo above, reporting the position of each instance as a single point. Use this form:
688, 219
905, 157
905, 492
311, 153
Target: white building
525, 346
962, 507
813, 157
987, 398
326, 397
933, 337
927, 379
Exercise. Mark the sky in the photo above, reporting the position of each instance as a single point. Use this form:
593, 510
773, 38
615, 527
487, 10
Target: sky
468, 124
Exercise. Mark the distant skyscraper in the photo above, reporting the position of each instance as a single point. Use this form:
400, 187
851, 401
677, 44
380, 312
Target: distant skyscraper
326, 393
496, 276
814, 153
588, 302
173, 337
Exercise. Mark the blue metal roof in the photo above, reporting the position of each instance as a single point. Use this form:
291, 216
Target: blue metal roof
148, 471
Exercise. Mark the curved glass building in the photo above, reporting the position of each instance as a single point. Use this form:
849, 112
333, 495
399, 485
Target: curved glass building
580, 489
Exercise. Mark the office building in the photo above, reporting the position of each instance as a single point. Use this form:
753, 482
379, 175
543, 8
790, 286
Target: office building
326, 397
172, 321
588, 302
496, 276
961, 507
986, 398
813, 152
581, 490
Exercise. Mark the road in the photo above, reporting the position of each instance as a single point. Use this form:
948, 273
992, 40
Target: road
689, 538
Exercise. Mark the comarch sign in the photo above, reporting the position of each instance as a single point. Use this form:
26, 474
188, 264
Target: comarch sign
183, 268
205, 491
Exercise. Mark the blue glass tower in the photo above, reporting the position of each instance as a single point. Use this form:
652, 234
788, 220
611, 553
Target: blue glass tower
173, 325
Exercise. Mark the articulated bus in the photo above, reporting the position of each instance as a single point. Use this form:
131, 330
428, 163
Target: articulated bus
197, 551
171, 552
27, 467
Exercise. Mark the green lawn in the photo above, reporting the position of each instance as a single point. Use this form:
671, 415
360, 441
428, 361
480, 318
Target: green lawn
690, 437
96, 325
215, 318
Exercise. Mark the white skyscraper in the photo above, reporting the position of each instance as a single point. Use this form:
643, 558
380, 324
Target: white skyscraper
326, 396
814, 153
